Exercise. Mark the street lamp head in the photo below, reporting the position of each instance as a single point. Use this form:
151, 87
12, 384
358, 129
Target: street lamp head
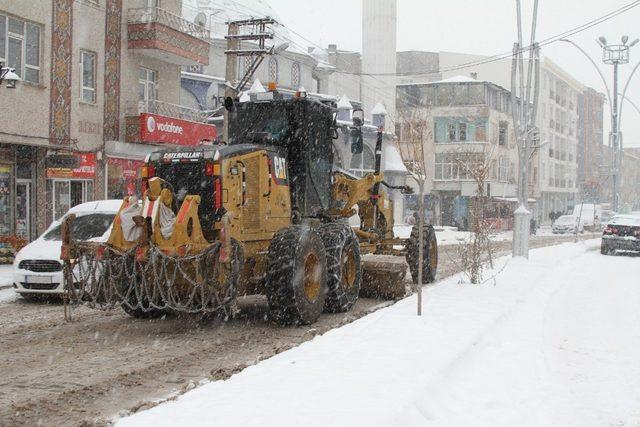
625, 39
602, 40
11, 78
633, 43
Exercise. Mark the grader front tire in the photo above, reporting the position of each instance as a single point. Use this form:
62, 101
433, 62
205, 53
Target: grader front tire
430, 254
296, 276
344, 267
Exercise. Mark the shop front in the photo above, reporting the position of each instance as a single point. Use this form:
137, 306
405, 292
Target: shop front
70, 181
123, 177
17, 191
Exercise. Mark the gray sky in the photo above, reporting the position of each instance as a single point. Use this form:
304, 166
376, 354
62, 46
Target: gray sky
485, 27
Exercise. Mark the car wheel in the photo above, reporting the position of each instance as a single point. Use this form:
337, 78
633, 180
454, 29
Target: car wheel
604, 249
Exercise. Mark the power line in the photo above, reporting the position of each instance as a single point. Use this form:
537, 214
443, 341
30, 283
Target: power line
508, 54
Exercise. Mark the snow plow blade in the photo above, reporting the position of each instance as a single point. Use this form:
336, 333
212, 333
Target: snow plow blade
383, 277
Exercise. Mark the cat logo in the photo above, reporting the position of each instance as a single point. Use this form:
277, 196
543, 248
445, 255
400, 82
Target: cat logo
280, 168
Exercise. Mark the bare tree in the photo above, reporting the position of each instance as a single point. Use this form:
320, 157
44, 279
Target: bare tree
476, 165
415, 131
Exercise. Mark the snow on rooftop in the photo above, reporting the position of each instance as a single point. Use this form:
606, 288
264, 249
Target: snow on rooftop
344, 103
392, 159
458, 79
256, 87
379, 109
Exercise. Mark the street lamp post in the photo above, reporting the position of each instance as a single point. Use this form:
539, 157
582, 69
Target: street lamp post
615, 54
9, 75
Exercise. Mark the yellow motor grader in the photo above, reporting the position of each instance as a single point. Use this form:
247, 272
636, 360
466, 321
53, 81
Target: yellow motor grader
265, 214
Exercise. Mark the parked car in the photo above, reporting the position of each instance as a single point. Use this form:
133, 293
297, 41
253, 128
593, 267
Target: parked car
621, 233
567, 224
37, 269
590, 215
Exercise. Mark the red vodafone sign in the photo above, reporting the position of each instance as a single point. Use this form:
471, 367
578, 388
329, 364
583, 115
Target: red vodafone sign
169, 130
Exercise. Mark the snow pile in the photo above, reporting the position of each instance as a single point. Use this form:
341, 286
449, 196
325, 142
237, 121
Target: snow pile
555, 341
6, 275
450, 235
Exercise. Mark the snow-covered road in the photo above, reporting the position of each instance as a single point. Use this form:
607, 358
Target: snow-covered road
554, 341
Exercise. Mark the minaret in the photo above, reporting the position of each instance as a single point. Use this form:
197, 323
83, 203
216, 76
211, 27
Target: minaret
379, 56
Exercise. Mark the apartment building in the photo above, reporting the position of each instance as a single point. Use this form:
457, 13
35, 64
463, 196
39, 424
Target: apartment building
556, 172
100, 89
590, 146
470, 123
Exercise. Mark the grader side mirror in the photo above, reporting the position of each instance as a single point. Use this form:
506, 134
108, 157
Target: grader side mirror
356, 131
356, 141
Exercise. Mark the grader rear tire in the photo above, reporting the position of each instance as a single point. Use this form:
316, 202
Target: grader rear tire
296, 282
344, 267
430, 254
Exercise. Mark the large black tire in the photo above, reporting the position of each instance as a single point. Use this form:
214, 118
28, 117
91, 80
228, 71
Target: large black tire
344, 267
430, 254
296, 282
604, 249
138, 313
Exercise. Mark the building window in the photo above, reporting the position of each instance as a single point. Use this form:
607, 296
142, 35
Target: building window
88, 76
458, 129
503, 128
456, 166
273, 70
20, 47
462, 131
503, 169
246, 65
295, 75
363, 163
146, 89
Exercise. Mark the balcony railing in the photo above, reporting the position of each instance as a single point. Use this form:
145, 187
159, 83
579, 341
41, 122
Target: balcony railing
149, 15
134, 108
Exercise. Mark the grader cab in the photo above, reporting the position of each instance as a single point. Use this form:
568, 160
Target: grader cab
265, 214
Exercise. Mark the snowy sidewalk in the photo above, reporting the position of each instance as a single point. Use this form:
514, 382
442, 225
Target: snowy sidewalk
555, 342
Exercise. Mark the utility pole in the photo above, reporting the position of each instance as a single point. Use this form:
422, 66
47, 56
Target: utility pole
256, 33
525, 131
230, 73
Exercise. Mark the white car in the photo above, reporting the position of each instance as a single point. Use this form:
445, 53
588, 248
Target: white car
37, 269
567, 224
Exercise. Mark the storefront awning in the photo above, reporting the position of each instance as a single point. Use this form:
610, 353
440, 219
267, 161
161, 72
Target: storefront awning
37, 141
128, 150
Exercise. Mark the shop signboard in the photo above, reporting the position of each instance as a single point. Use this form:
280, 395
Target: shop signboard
123, 177
75, 165
169, 130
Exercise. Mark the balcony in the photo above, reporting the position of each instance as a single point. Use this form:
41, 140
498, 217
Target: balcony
168, 37
144, 120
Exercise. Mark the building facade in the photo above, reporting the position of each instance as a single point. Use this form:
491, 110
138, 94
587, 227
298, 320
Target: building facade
557, 159
101, 89
470, 125
590, 146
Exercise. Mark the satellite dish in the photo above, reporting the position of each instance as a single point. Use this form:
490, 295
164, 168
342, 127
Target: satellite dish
201, 19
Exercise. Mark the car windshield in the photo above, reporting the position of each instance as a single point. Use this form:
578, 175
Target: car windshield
84, 227
566, 220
